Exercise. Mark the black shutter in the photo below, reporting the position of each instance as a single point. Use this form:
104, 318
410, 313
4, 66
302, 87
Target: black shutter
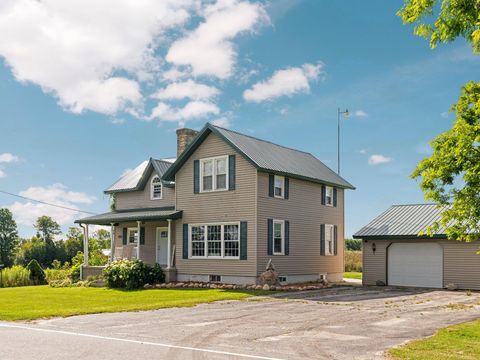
142, 236
125, 236
324, 194
231, 172
335, 196
270, 237
196, 176
243, 240
287, 237
185, 241
322, 239
271, 184
287, 185
335, 241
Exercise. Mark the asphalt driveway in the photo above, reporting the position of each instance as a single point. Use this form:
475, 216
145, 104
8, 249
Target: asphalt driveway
337, 323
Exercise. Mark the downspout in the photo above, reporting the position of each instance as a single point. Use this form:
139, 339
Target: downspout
85, 248
138, 239
169, 244
112, 242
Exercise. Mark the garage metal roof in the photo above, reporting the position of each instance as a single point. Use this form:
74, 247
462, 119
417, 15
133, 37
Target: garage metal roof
132, 215
266, 156
403, 221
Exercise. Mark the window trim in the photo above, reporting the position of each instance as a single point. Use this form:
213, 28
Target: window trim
326, 197
214, 174
275, 177
128, 235
330, 227
151, 188
282, 223
206, 257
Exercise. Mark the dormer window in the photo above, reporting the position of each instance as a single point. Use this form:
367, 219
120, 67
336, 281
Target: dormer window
279, 187
156, 189
214, 174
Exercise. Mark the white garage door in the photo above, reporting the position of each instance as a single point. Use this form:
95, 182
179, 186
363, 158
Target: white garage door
415, 264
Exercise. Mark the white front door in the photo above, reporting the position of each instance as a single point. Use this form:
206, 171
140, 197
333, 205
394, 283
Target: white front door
162, 245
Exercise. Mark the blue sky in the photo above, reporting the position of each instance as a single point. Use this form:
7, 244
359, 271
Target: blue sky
85, 97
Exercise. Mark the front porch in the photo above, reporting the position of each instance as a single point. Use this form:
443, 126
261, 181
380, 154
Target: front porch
145, 234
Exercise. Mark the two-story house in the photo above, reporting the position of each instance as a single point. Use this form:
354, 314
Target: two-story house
227, 205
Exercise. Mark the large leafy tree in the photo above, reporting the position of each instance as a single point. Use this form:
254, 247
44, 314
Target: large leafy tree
451, 175
47, 228
8, 237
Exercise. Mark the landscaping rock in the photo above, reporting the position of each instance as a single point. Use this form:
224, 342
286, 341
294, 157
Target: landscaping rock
266, 287
148, 286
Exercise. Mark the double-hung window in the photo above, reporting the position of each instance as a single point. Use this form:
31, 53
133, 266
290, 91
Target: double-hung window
214, 174
132, 235
215, 240
329, 196
278, 237
156, 188
329, 239
279, 187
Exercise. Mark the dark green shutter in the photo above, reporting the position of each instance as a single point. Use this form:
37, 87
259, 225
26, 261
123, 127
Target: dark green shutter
231, 172
322, 239
287, 237
270, 237
335, 239
287, 186
243, 240
125, 236
335, 197
185, 241
271, 184
196, 176
142, 236
324, 194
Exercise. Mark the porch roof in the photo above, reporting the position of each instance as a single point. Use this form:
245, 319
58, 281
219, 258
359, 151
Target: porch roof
132, 215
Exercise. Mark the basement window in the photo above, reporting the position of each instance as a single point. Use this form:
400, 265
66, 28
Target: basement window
214, 278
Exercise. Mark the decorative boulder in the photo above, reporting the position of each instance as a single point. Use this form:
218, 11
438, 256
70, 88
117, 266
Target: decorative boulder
380, 283
451, 286
269, 276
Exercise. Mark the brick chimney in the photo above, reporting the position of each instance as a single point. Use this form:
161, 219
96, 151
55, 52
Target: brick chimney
184, 137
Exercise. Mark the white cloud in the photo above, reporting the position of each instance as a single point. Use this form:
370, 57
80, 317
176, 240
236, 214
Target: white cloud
285, 82
223, 121
8, 158
26, 213
359, 113
187, 89
2, 174
379, 159
363, 151
283, 111
444, 114
192, 110
117, 121
91, 55
208, 50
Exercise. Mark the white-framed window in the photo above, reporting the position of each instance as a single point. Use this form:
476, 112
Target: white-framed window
279, 187
132, 235
278, 237
218, 241
156, 188
213, 174
329, 239
329, 196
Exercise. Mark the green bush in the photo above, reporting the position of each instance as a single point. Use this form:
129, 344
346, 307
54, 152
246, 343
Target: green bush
353, 261
37, 275
57, 274
15, 276
128, 274
60, 283
75, 273
353, 244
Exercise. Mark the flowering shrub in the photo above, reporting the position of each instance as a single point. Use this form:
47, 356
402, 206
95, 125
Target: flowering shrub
132, 274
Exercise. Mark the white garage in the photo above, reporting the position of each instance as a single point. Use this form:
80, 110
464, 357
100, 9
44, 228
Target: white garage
415, 264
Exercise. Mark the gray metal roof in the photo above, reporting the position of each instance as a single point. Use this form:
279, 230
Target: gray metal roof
267, 156
132, 215
136, 178
403, 221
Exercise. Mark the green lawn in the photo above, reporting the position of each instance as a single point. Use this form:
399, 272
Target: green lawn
455, 342
352, 275
34, 302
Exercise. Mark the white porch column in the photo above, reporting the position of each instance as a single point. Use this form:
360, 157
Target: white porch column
112, 242
138, 239
169, 244
85, 245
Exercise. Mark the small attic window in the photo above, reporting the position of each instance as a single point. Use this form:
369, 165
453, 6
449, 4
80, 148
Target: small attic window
156, 188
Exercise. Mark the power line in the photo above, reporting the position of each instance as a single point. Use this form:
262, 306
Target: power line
46, 203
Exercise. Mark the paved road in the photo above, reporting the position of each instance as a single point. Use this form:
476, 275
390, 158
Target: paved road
339, 323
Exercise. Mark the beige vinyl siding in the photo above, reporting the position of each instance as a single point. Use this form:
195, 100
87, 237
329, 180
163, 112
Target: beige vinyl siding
147, 251
305, 213
461, 264
214, 207
141, 199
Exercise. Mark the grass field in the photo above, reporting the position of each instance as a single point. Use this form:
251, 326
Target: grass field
34, 302
459, 342
352, 275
